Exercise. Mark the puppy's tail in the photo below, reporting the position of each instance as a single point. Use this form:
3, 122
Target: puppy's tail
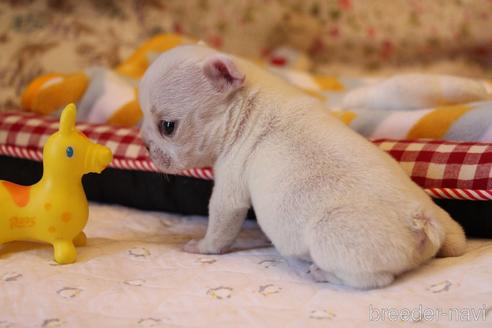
455, 240
445, 235
429, 233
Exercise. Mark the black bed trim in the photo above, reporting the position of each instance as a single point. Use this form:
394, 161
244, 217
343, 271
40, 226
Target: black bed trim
189, 196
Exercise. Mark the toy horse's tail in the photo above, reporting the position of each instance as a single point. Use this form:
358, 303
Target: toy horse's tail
12, 198
3, 213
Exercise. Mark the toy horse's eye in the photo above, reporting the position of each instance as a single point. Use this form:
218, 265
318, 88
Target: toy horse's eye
69, 152
166, 128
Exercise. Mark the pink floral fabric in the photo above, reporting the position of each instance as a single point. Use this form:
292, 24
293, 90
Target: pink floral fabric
338, 36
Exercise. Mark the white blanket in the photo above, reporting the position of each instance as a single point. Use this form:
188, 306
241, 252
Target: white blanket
133, 274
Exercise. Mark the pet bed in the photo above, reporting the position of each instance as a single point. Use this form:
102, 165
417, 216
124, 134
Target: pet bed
154, 283
456, 174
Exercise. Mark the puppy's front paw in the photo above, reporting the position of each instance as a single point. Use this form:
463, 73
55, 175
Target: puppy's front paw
192, 247
200, 247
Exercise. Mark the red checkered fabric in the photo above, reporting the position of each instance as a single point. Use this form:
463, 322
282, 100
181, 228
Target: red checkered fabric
461, 170
23, 135
458, 170
26, 133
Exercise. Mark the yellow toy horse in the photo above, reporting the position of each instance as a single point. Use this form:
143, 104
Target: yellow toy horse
55, 209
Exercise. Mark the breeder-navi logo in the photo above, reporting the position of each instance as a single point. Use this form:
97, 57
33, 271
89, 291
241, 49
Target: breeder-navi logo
422, 313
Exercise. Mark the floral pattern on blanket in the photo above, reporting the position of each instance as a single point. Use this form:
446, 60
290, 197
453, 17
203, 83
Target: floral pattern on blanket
133, 273
37, 37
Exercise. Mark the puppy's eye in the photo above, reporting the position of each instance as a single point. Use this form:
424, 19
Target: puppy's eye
166, 128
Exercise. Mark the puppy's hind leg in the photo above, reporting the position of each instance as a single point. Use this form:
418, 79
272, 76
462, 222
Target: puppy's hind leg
367, 280
364, 280
320, 275
346, 250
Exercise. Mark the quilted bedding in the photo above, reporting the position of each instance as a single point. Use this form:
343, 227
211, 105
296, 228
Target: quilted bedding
132, 273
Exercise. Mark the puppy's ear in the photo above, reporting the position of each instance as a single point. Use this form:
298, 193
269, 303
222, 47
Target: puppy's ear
221, 71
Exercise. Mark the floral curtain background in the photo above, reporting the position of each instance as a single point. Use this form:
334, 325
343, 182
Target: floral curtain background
346, 37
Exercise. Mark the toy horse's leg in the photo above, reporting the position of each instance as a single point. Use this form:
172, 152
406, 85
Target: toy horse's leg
4, 239
80, 240
64, 251
3, 231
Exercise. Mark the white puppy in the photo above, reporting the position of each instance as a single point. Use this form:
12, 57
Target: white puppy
321, 192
